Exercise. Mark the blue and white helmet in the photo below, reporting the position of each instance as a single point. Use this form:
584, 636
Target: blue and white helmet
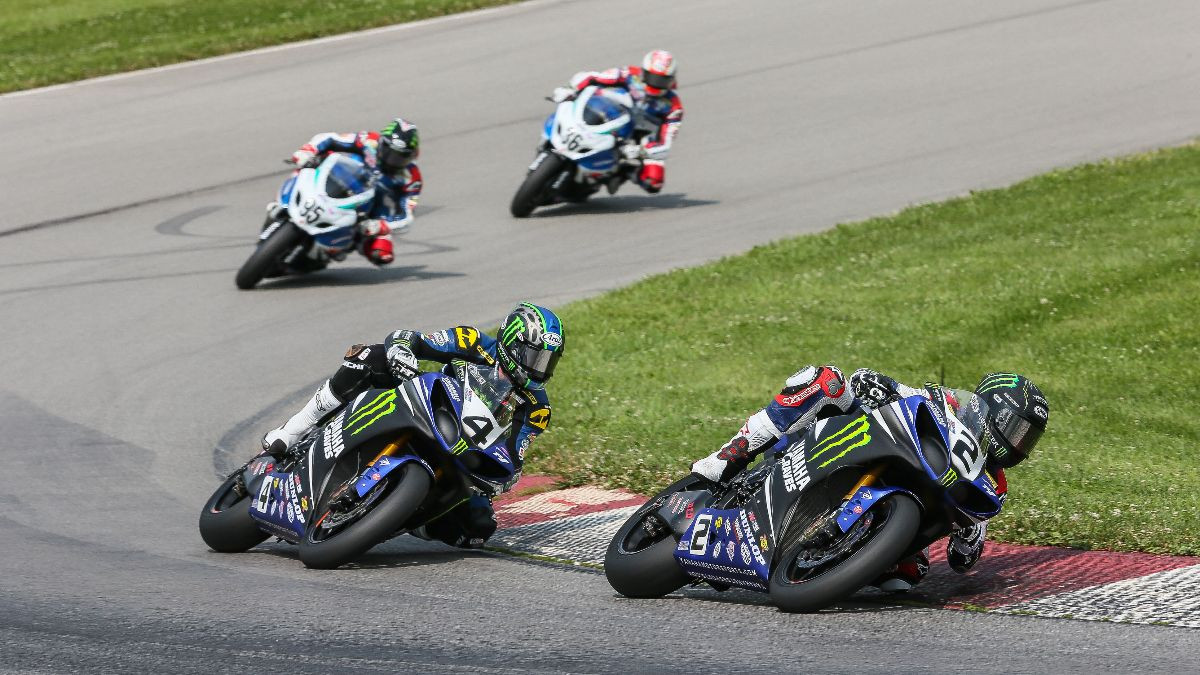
531, 342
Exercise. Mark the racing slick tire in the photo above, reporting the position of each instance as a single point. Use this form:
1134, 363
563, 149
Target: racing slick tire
533, 191
269, 255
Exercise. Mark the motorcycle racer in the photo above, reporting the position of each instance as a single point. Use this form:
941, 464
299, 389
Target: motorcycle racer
391, 153
658, 112
526, 350
1008, 422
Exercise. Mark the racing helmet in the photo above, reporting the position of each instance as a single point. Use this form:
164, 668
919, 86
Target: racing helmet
658, 72
530, 343
1008, 414
399, 145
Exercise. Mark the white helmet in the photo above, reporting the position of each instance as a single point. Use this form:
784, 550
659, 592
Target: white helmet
658, 72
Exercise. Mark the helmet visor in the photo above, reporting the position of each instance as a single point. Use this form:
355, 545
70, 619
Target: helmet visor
538, 363
1019, 432
657, 81
392, 158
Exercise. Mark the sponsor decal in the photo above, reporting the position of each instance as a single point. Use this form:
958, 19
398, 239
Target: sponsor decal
296, 479
453, 391
539, 418
333, 437
716, 553
552, 340
683, 545
737, 530
745, 550
793, 400
459, 448
376, 475
730, 548
368, 414
304, 504
865, 494
853, 435
687, 513
487, 358
762, 543
1039, 411
718, 523
466, 336
795, 469
857, 509
362, 356
728, 526
758, 556
384, 461
998, 381
949, 477
440, 338
521, 448
291, 513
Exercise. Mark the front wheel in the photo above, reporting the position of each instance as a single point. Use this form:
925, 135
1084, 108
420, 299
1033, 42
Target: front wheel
640, 561
531, 193
269, 255
225, 522
341, 535
817, 572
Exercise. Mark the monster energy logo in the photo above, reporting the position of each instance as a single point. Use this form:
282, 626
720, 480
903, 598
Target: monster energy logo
997, 381
459, 448
949, 478
849, 437
365, 416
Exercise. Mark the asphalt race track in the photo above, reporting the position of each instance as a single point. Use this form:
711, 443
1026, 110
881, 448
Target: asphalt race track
134, 371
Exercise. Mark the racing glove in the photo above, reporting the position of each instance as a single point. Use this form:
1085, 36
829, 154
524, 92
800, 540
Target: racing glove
873, 389
633, 152
563, 94
305, 157
965, 547
402, 362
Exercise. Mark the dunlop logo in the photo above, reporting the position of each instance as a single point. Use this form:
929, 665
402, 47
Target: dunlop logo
849, 437
367, 415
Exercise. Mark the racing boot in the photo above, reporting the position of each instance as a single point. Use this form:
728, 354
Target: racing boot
736, 455
901, 577
377, 244
278, 440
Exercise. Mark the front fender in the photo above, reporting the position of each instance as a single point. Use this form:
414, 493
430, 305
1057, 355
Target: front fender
376, 470
862, 501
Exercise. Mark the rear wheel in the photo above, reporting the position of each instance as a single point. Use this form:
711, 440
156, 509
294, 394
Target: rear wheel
225, 522
533, 191
640, 561
269, 255
820, 570
343, 532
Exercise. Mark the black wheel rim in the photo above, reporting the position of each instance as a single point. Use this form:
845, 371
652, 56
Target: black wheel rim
819, 555
338, 515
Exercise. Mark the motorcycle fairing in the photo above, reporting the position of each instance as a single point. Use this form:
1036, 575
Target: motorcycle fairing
427, 388
276, 505
862, 501
726, 546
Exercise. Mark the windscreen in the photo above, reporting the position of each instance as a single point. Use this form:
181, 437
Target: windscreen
600, 110
493, 389
347, 177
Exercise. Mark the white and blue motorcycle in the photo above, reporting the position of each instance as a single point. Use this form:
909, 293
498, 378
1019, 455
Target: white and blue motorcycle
319, 223
580, 150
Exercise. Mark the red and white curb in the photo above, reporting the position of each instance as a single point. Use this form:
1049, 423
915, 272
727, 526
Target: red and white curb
576, 525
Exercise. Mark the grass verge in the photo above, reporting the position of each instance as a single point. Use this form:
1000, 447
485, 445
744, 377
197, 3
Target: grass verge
1087, 280
44, 43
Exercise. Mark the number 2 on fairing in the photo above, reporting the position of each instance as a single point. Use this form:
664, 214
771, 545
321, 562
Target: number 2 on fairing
700, 533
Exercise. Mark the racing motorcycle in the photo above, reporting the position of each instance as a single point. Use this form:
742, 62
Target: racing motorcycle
383, 464
580, 149
319, 224
824, 514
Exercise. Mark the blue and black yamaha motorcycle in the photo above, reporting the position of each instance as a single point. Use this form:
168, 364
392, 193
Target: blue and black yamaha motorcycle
823, 514
383, 464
